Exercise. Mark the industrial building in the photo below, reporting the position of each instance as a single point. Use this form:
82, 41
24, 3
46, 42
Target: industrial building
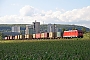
16, 29
51, 28
36, 27
29, 29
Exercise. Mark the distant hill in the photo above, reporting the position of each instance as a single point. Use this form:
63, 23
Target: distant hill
8, 27
70, 27
67, 27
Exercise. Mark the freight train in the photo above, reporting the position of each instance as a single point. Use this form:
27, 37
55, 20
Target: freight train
50, 35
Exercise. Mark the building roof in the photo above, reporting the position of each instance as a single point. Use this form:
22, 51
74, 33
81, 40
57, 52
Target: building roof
10, 33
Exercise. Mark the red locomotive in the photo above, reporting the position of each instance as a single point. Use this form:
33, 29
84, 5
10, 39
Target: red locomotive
73, 33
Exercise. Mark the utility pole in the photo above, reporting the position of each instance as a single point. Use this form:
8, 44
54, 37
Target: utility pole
43, 26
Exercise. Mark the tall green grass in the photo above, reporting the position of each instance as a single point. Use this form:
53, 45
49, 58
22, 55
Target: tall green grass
45, 50
87, 35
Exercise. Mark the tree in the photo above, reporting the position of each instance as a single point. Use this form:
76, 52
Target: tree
1, 36
74, 28
63, 29
84, 30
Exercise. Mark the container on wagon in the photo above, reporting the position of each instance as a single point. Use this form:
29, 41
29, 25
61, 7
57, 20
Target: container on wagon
52, 34
21, 36
16, 37
25, 36
58, 35
31, 36
11, 37
28, 36
46, 35
42, 35
6, 38
34, 36
38, 35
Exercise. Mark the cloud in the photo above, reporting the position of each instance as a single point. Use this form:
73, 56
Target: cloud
28, 14
28, 11
78, 14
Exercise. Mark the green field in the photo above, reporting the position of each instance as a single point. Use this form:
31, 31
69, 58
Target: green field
45, 50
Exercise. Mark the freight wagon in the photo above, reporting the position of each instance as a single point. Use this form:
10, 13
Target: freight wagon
34, 36
28, 36
22, 37
6, 38
16, 37
11, 37
38, 36
44, 35
72, 34
58, 35
52, 35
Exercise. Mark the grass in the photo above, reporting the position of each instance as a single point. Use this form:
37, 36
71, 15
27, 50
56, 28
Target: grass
45, 50
87, 36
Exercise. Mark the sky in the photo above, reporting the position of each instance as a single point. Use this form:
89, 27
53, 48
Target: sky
73, 12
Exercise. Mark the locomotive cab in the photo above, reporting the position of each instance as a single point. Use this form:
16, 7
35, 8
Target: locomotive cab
80, 34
